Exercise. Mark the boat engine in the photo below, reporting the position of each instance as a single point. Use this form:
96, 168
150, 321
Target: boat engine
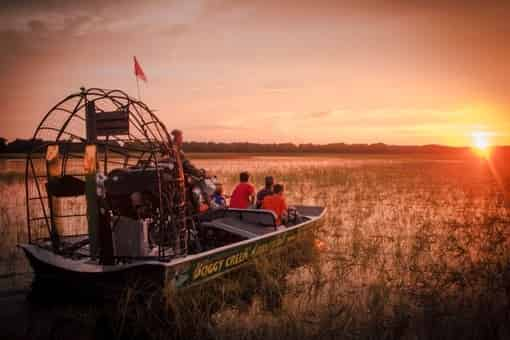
134, 192
141, 201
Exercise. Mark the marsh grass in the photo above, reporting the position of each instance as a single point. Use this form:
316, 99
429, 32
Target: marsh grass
412, 249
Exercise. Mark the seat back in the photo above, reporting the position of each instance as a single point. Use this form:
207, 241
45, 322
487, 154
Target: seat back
265, 218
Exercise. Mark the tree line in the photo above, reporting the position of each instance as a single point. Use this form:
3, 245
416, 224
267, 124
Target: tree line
25, 145
377, 148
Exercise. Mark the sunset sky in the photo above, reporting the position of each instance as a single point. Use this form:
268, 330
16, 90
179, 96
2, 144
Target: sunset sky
406, 72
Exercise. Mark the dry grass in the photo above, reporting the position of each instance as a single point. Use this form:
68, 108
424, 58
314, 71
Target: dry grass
412, 249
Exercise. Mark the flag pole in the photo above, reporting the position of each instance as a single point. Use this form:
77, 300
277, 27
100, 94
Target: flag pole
138, 88
138, 74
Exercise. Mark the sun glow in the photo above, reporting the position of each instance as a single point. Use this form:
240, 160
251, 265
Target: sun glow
481, 143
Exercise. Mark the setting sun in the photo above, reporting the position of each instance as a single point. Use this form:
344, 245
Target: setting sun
481, 143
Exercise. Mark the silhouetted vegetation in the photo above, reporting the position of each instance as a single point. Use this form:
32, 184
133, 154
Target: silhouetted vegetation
378, 148
25, 145
3, 144
410, 249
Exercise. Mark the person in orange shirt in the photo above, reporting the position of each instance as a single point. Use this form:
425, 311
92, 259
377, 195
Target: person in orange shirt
276, 203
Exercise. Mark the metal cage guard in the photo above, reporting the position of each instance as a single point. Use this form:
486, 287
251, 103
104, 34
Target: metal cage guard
81, 139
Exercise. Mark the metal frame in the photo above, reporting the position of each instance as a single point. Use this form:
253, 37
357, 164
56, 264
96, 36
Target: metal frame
65, 124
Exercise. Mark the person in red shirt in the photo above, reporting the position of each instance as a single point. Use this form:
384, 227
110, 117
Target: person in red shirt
243, 195
276, 203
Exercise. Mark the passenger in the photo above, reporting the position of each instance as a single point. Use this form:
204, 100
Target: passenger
188, 167
267, 190
276, 203
217, 198
243, 195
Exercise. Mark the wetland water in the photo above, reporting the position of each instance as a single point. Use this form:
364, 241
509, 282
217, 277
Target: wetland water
398, 228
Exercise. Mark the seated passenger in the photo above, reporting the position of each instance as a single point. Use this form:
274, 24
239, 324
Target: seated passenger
276, 203
243, 195
267, 190
217, 198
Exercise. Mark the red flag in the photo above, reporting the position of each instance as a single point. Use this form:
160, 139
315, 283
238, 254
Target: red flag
138, 71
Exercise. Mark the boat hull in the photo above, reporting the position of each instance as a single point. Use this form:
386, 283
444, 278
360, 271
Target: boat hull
55, 271
50, 277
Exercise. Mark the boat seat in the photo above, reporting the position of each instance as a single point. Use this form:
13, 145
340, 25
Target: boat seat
261, 217
247, 223
240, 228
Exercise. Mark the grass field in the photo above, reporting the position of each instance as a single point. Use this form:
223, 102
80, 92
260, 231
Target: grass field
412, 247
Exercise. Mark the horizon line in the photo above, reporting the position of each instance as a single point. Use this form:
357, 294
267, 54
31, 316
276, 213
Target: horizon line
311, 143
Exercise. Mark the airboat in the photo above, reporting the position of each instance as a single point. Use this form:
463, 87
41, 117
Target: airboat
109, 200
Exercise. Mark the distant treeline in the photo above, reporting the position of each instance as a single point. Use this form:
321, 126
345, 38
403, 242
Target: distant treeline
315, 148
18, 145
24, 146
